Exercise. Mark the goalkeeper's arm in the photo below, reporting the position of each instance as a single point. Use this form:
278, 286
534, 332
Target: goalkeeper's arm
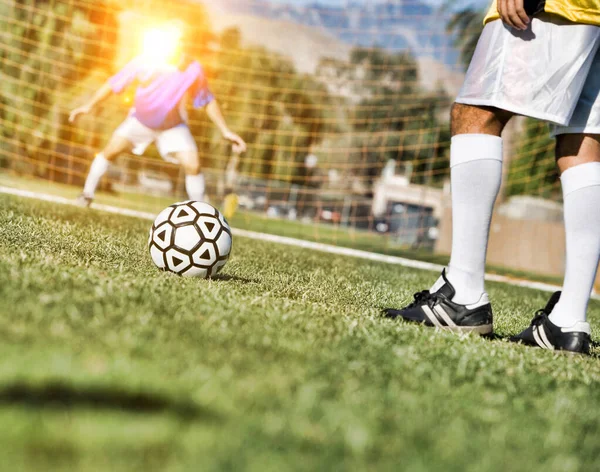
214, 113
101, 94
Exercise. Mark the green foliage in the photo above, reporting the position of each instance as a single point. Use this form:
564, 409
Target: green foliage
49, 45
283, 363
466, 25
395, 118
61, 51
280, 111
533, 170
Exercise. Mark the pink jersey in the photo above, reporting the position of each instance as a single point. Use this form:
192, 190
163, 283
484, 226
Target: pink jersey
160, 90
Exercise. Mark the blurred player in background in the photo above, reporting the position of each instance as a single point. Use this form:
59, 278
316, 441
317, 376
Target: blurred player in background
540, 59
166, 81
230, 180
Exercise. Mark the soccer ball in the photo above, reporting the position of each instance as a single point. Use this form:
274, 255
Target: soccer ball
191, 239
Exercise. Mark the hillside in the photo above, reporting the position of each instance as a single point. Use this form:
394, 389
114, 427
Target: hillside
307, 45
392, 24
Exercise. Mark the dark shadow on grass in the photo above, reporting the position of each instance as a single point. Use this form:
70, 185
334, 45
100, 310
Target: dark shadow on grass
499, 337
232, 278
495, 337
59, 395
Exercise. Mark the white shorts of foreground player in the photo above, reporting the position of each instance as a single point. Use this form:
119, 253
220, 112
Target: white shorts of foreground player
551, 71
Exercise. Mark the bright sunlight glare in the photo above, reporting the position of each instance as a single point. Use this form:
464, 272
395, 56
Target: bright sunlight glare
160, 45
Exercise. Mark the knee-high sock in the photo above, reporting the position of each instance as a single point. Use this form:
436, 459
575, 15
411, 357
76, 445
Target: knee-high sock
581, 195
97, 170
194, 185
475, 177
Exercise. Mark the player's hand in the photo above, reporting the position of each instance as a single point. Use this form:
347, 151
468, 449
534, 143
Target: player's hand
513, 13
238, 145
84, 110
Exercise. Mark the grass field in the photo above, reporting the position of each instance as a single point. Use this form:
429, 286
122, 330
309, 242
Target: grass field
322, 233
282, 363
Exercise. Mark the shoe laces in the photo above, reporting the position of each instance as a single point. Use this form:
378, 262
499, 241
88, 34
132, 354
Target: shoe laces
424, 297
539, 317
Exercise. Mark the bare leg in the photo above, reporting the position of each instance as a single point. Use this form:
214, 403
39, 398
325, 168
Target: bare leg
467, 119
575, 149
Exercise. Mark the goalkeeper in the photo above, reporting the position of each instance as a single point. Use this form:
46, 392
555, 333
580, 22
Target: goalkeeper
159, 115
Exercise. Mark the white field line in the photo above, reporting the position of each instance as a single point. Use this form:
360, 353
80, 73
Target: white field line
342, 251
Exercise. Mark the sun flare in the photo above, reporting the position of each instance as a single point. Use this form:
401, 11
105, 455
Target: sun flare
161, 45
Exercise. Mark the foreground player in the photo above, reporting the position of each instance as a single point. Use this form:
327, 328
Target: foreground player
164, 86
543, 63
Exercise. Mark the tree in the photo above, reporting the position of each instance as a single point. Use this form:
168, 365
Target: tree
48, 45
533, 170
466, 25
394, 118
277, 109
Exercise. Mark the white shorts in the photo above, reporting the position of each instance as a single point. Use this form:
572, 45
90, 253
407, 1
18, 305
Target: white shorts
551, 71
168, 142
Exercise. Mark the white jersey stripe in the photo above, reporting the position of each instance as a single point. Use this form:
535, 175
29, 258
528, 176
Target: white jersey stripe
431, 316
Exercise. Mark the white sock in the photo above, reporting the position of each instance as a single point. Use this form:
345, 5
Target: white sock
581, 195
97, 170
194, 185
475, 176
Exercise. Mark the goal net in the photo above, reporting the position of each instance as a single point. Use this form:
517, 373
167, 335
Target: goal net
344, 108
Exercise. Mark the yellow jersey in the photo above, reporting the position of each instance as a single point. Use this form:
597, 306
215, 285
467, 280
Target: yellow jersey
577, 11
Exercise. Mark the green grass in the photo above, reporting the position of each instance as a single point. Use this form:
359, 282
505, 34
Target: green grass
283, 363
319, 232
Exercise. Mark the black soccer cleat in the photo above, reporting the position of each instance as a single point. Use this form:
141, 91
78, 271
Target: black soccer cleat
83, 201
545, 334
439, 311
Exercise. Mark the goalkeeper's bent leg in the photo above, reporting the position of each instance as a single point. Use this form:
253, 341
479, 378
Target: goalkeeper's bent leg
194, 178
97, 170
101, 163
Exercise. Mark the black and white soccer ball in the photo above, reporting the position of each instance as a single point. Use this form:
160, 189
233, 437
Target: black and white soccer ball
191, 239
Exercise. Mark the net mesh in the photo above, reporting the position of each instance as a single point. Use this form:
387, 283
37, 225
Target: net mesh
344, 108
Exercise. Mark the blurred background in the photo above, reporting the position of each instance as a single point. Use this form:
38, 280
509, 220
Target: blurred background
344, 105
